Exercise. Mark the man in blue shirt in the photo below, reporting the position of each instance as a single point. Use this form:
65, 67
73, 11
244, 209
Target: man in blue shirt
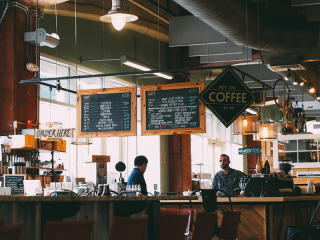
136, 176
226, 178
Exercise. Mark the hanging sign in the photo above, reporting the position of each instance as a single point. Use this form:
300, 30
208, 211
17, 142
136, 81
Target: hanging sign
53, 133
168, 109
227, 96
246, 151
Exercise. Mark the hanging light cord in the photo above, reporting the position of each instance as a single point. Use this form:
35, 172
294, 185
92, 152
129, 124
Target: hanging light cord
159, 32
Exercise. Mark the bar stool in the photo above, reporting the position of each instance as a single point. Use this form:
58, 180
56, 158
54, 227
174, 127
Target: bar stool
173, 226
186, 210
12, 232
133, 228
68, 230
229, 225
204, 226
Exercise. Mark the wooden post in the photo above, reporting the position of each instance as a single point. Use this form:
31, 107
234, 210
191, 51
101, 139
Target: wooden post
18, 102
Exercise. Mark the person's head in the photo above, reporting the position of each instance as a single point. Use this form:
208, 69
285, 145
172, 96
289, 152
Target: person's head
141, 162
224, 161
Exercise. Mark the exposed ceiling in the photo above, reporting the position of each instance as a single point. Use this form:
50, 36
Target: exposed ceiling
260, 32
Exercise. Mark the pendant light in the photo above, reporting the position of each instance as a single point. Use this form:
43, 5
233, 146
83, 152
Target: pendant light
267, 132
118, 15
79, 141
246, 125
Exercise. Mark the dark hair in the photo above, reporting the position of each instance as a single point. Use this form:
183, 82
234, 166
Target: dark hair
225, 155
139, 160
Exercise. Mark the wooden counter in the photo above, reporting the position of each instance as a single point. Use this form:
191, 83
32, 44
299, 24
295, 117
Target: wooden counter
261, 218
34, 211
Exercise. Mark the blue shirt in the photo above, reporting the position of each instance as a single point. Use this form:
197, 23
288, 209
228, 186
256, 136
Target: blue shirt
227, 181
136, 177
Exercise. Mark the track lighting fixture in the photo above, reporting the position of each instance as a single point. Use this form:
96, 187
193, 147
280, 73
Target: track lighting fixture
142, 66
296, 80
301, 83
288, 75
118, 15
318, 96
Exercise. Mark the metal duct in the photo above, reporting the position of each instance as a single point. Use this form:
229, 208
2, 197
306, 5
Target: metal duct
278, 32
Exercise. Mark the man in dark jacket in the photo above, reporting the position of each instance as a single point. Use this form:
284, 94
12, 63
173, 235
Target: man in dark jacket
136, 176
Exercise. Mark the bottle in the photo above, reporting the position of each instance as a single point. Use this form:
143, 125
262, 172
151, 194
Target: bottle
259, 166
310, 188
62, 166
266, 166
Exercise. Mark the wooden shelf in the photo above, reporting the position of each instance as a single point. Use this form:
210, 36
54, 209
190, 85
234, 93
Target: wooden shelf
56, 169
40, 149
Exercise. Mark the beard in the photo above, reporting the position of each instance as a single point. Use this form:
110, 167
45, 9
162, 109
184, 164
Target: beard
224, 166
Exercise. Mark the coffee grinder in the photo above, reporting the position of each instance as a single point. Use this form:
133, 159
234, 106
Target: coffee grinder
120, 167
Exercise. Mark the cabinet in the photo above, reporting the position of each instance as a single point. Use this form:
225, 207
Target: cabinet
201, 175
302, 149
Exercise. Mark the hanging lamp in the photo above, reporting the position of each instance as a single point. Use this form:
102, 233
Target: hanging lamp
118, 15
246, 125
267, 131
79, 141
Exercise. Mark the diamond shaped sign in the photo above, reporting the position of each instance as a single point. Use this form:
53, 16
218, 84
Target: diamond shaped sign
227, 96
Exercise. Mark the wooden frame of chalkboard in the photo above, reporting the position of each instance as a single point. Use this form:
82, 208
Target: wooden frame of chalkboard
179, 102
118, 103
8, 183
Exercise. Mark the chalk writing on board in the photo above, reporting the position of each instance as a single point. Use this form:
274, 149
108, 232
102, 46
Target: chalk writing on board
16, 184
172, 109
106, 112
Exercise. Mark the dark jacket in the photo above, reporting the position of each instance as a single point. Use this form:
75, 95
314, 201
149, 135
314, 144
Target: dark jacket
136, 177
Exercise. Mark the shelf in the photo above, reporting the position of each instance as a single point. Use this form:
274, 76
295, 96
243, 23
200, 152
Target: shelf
40, 149
56, 169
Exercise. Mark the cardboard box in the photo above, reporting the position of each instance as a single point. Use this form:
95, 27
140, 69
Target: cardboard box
100, 158
47, 145
21, 141
60, 145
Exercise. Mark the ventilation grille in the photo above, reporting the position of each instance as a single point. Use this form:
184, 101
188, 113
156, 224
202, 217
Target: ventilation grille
283, 68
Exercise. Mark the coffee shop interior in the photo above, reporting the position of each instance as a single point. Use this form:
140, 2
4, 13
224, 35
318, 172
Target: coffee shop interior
57, 55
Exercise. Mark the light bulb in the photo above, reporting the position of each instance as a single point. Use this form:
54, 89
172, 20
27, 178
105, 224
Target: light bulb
245, 122
312, 90
118, 21
265, 132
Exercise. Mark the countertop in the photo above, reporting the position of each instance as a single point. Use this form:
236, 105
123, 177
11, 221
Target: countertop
253, 199
13, 198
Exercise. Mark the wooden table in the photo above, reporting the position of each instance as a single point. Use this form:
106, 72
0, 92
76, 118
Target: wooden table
33, 211
262, 218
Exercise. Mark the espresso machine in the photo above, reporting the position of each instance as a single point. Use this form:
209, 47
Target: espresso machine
96, 170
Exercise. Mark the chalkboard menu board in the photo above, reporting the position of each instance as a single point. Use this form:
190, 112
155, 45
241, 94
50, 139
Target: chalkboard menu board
172, 109
15, 181
106, 112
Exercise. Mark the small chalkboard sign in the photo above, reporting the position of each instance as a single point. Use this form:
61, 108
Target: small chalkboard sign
107, 112
15, 181
172, 109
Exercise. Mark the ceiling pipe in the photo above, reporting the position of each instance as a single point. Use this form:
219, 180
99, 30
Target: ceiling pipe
279, 32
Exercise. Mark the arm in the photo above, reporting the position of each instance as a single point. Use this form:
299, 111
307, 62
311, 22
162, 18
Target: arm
214, 184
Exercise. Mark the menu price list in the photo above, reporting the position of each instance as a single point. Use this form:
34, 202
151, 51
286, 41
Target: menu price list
172, 109
106, 112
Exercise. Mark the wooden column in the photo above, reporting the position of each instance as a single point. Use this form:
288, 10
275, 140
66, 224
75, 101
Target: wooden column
180, 145
17, 101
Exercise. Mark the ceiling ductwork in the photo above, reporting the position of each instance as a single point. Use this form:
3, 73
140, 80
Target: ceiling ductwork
279, 32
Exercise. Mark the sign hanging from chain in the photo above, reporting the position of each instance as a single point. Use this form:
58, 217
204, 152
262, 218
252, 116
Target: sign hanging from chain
227, 96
